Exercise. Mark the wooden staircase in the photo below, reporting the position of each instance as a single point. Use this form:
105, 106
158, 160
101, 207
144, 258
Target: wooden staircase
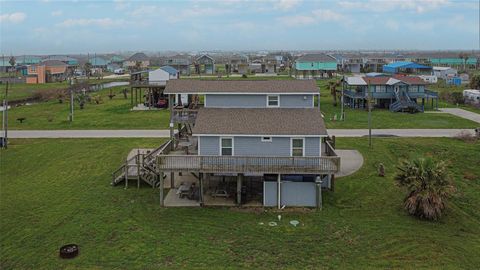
141, 167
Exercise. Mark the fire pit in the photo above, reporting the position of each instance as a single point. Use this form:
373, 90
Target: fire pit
69, 251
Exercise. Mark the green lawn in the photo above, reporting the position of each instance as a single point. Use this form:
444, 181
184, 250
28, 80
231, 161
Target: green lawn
383, 118
58, 191
19, 91
111, 114
116, 114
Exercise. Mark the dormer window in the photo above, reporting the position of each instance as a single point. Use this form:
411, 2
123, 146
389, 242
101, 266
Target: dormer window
273, 101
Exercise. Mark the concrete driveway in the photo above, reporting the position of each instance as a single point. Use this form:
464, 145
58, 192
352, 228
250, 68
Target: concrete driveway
462, 113
350, 162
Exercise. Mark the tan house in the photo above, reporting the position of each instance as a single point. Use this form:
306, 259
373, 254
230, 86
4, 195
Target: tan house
46, 71
140, 58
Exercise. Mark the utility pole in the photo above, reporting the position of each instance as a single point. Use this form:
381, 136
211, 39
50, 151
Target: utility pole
5, 119
369, 116
70, 117
342, 115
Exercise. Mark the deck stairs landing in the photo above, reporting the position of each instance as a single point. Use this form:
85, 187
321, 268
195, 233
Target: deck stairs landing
404, 103
141, 166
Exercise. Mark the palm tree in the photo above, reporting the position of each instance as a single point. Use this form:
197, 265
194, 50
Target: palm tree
428, 184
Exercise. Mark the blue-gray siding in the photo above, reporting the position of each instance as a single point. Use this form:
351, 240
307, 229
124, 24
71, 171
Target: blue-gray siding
208, 146
292, 194
253, 146
256, 101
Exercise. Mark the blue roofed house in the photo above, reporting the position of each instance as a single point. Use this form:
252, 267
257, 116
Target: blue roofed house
406, 67
315, 65
260, 143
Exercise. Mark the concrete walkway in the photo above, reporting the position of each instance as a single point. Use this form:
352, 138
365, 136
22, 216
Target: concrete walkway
350, 162
462, 113
166, 133
399, 132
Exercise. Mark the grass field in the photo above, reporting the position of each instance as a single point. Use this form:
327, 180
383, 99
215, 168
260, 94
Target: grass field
20, 91
116, 114
111, 114
55, 192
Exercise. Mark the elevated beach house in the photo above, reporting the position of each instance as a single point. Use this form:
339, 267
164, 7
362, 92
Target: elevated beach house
317, 65
397, 92
260, 143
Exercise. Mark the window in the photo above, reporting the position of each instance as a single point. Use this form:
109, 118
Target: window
226, 146
297, 147
273, 101
413, 88
266, 139
381, 89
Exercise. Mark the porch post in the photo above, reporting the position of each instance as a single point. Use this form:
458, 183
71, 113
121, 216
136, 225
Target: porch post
239, 188
170, 106
318, 185
200, 179
161, 189
172, 180
279, 201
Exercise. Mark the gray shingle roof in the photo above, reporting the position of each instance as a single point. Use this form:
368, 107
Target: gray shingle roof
316, 57
241, 86
138, 57
260, 121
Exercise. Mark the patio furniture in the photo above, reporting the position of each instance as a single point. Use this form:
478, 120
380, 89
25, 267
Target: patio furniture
183, 190
185, 144
220, 193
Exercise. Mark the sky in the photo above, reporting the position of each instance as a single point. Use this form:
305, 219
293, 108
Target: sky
76, 26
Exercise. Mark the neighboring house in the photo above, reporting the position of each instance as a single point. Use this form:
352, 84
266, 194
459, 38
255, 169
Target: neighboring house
429, 78
70, 61
160, 76
98, 62
180, 62
138, 59
406, 67
315, 65
238, 64
205, 64
259, 143
472, 96
444, 72
46, 71
397, 93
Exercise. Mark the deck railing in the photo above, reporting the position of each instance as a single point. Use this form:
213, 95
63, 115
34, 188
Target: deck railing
242, 164
184, 115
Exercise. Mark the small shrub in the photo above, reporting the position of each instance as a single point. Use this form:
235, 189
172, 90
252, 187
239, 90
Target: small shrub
244, 76
50, 118
467, 137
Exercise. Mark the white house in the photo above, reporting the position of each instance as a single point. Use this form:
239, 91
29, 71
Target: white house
162, 75
444, 72
429, 78
472, 96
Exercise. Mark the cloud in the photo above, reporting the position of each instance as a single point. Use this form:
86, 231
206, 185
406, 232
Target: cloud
121, 4
56, 13
297, 20
314, 17
101, 22
327, 15
418, 6
286, 4
16, 17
